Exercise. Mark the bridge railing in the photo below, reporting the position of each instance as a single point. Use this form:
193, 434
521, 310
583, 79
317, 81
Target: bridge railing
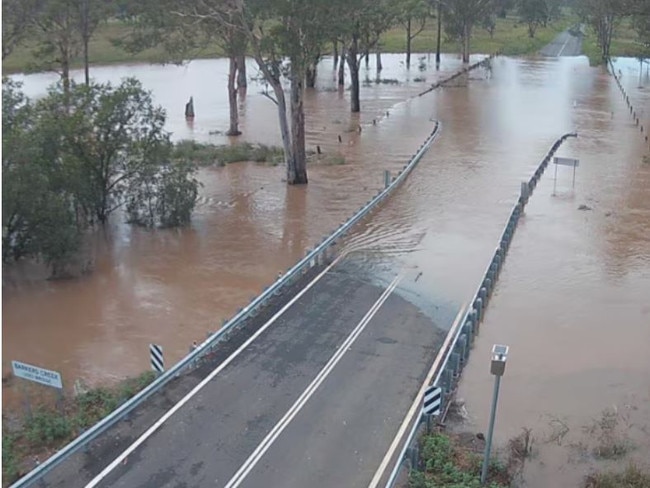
319, 255
457, 352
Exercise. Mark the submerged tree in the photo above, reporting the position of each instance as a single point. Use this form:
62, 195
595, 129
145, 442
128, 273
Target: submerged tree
72, 159
413, 16
603, 16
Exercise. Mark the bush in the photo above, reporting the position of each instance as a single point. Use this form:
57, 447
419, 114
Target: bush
10, 469
209, 154
45, 427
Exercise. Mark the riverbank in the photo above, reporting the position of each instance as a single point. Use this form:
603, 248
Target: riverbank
510, 37
32, 436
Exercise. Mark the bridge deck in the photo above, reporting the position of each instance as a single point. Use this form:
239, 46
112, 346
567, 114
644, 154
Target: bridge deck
281, 412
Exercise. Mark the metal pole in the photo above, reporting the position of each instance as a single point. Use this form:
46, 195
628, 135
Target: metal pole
555, 179
439, 35
574, 175
488, 442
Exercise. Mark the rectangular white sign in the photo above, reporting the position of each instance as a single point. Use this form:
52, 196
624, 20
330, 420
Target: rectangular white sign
566, 162
39, 375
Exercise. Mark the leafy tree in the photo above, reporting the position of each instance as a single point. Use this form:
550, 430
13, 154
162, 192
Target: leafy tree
17, 16
603, 16
71, 159
460, 17
360, 24
89, 13
413, 16
183, 29
534, 13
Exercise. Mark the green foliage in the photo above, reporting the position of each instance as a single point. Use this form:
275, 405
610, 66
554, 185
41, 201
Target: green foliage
533, 13
209, 154
447, 465
10, 456
46, 427
73, 158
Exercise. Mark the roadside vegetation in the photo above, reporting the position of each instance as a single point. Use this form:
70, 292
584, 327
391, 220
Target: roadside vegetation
631, 477
449, 461
74, 158
36, 435
205, 154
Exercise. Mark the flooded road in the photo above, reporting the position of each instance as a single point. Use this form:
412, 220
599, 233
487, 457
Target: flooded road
173, 287
573, 304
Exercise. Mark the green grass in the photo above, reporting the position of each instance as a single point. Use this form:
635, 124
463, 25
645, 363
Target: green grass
447, 464
211, 154
625, 43
101, 49
632, 477
49, 428
510, 38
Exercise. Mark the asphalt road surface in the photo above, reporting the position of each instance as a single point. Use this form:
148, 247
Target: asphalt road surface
564, 44
315, 400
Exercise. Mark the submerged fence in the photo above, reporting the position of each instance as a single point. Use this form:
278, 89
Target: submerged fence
321, 254
457, 352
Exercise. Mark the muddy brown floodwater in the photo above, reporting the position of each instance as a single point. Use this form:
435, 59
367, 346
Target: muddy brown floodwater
172, 287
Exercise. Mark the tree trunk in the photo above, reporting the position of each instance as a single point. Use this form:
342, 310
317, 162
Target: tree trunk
408, 43
86, 41
379, 65
353, 63
232, 98
367, 56
335, 45
342, 68
467, 32
242, 82
439, 34
297, 167
310, 76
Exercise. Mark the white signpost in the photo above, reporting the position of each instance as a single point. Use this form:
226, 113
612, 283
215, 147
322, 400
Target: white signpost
37, 375
559, 161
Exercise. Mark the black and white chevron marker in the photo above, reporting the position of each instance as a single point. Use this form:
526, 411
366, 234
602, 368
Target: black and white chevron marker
157, 362
432, 400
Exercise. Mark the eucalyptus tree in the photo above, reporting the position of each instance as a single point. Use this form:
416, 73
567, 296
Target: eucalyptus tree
17, 23
183, 29
360, 24
413, 15
461, 16
603, 16
533, 13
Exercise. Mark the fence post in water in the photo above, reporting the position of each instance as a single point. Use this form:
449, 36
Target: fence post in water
525, 192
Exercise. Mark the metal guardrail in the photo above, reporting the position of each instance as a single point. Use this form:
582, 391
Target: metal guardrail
458, 349
314, 257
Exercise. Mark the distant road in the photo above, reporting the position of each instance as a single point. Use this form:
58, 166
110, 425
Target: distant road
565, 44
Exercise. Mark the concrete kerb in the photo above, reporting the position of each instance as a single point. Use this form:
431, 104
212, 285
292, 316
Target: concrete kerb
190, 360
472, 319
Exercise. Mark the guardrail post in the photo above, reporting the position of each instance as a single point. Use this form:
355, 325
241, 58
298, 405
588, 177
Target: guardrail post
462, 341
455, 364
525, 192
478, 306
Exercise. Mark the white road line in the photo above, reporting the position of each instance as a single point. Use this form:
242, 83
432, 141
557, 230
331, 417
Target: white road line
563, 46
268, 441
97, 479
416, 407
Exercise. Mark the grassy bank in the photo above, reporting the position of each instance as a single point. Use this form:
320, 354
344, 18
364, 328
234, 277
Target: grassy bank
205, 154
510, 37
220, 155
36, 436
625, 43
